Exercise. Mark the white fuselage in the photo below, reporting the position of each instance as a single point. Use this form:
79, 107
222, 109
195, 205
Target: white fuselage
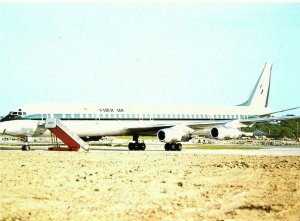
87, 120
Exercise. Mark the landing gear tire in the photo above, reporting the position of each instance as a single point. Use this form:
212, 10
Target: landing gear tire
131, 146
142, 146
167, 147
25, 147
179, 147
136, 146
173, 146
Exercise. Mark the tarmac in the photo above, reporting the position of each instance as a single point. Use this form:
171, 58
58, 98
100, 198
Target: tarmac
247, 151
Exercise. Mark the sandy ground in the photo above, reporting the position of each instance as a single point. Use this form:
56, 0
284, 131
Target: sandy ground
157, 185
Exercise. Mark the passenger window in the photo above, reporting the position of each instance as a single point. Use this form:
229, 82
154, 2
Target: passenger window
34, 117
58, 116
77, 116
68, 116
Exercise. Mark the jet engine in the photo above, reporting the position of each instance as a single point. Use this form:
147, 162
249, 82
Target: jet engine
223, 132
172, 135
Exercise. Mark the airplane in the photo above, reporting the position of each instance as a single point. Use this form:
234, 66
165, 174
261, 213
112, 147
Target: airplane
171, 124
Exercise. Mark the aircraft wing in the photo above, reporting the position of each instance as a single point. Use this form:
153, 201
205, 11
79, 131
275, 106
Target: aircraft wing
198, 125
154, 127
280, 111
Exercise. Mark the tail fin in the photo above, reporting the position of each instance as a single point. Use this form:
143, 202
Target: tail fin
260, 94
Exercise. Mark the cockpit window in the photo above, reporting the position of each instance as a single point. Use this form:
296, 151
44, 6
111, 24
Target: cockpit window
12, 116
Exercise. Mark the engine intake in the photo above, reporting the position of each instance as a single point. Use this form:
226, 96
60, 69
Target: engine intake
222, 132
173, 135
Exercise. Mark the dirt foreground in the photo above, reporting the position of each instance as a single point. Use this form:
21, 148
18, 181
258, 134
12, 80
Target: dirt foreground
109, 185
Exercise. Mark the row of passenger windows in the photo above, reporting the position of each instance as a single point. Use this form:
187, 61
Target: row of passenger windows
135, 116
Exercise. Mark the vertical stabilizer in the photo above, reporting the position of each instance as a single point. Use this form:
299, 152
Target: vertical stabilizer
260, 94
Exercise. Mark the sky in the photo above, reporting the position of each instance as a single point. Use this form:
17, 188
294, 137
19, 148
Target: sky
154, 53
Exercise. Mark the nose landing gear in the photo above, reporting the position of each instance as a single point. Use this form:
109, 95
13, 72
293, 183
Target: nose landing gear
26, 146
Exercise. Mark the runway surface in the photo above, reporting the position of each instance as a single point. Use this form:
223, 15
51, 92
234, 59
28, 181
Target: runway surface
260, 151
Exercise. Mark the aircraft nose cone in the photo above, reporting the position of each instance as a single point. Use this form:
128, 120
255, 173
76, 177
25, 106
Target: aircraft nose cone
6, 127
2, 128
18, 128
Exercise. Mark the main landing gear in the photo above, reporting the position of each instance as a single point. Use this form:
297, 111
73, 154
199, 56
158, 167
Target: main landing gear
136, 145
173, 147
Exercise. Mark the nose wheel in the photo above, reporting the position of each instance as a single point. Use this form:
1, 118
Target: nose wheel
173, 146
26, 147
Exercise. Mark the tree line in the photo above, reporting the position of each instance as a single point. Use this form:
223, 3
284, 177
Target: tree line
278, 130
